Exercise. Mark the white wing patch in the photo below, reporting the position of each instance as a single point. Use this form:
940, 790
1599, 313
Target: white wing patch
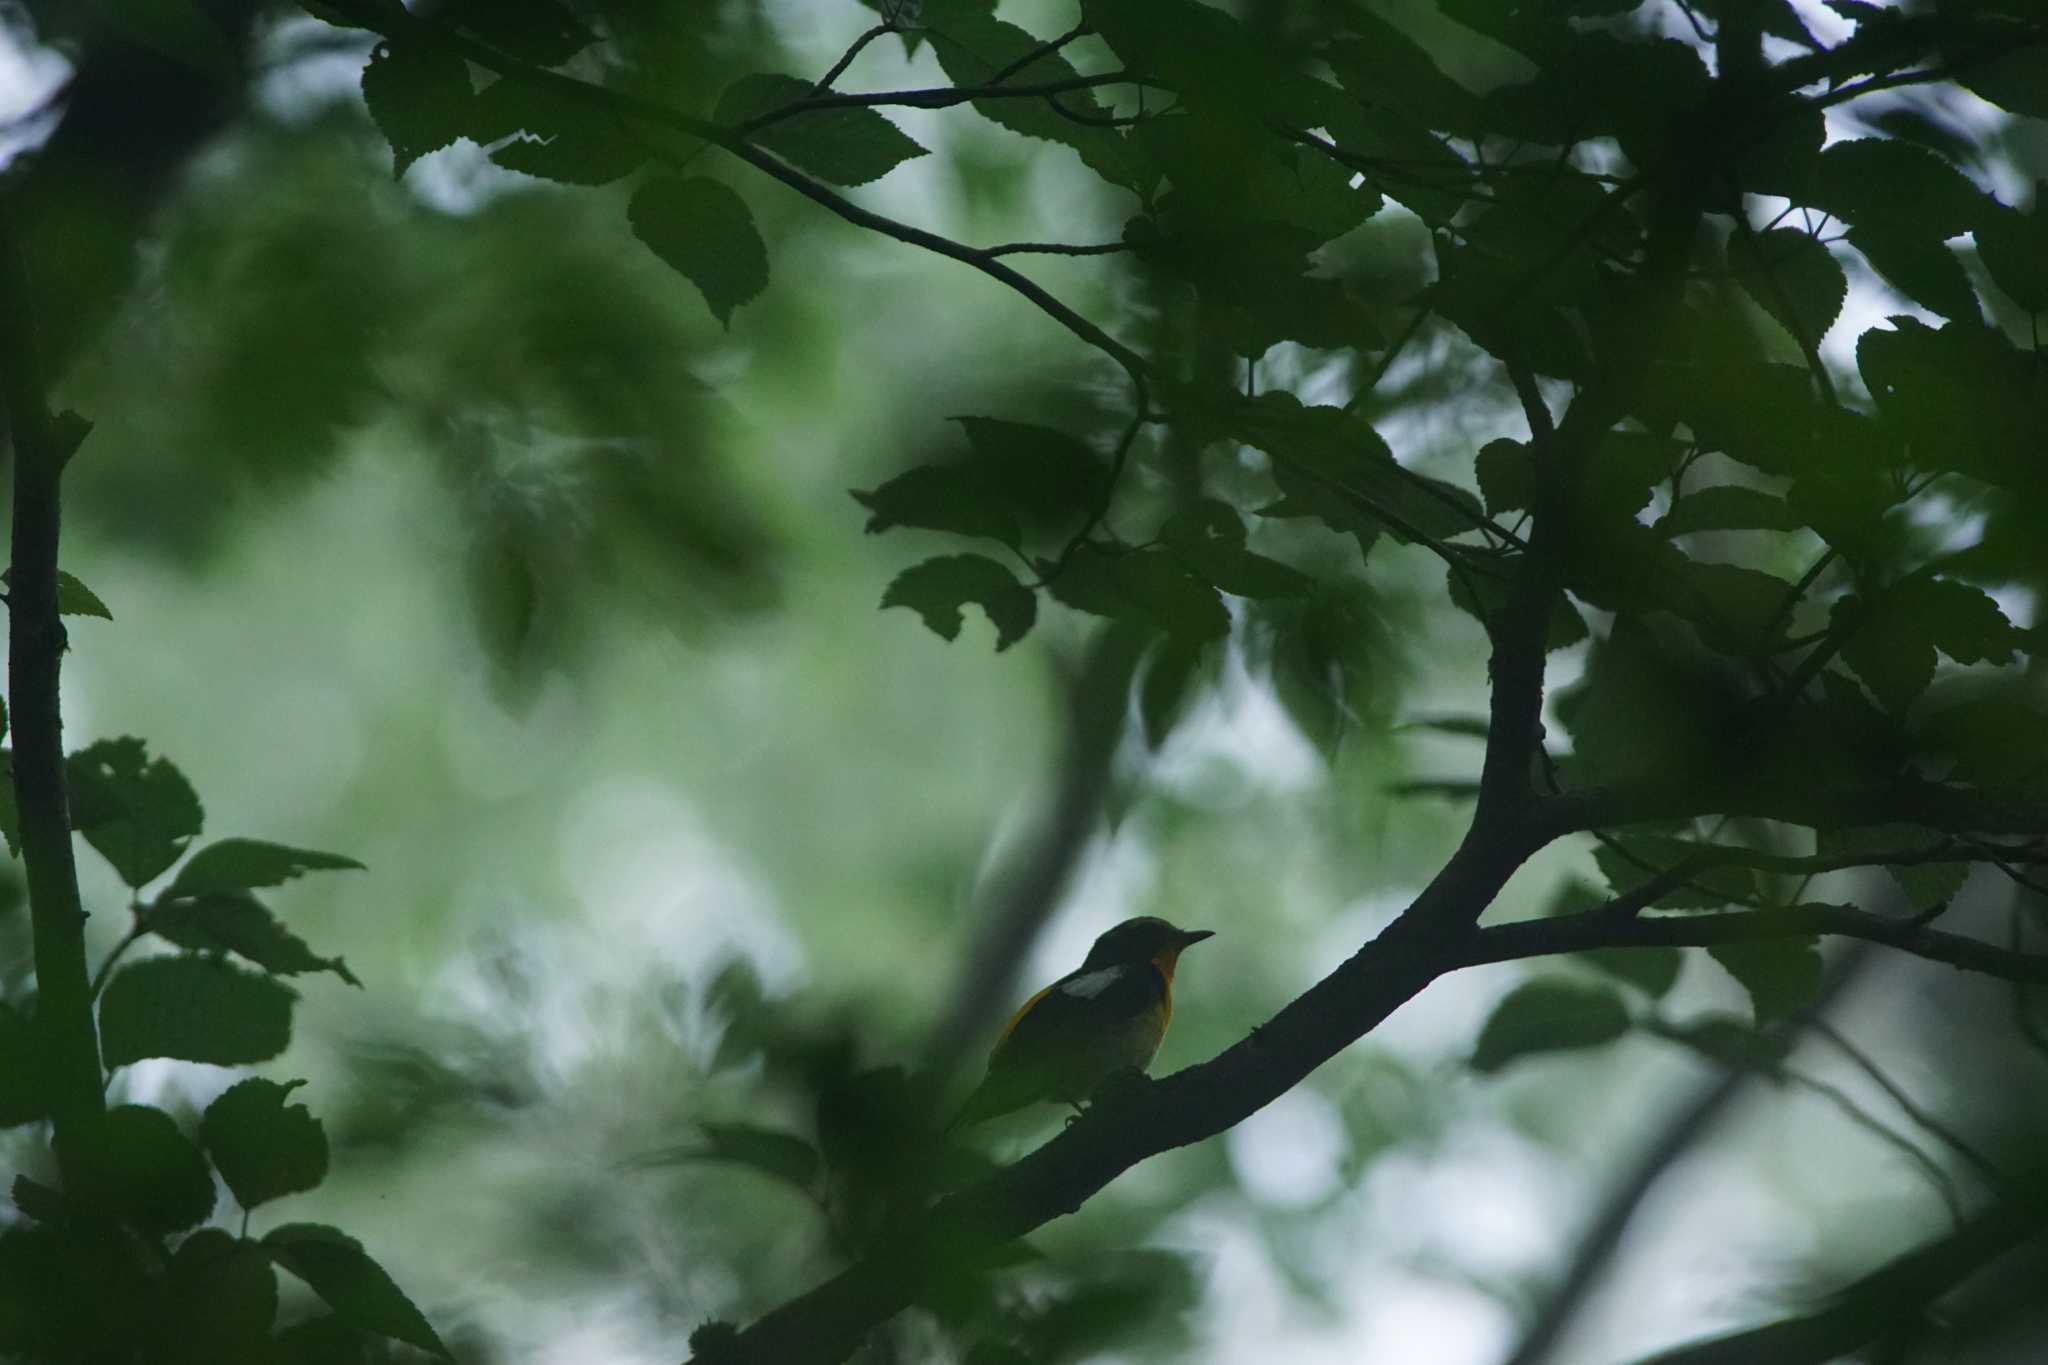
1093, 984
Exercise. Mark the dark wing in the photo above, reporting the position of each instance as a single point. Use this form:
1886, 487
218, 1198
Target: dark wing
1077, 1015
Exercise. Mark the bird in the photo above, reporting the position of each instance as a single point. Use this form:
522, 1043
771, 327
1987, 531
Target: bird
1106, 1015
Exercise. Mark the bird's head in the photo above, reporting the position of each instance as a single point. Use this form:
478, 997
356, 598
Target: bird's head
1145, 939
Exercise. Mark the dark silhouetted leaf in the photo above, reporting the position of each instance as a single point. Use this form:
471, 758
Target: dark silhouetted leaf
137, 811
75, 599
1793, 278
235, 864
847, 146
1651, 970
1507, 476
132, 1162
420, 97
1890, 184
1994, 740
1169, 680
703, 230
1728, 507
236, 922
1892, 641
782, 1156
263, 1147
1921, 268
2014, 248
1781, 975
937, 589
1629, 860
1148, 588
537, 31
195, 1009
1209, 538
222, 1296
543, 133
1549, 1014
1925, 884
354, 1286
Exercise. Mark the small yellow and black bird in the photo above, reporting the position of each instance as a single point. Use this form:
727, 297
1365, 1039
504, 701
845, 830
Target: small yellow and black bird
1105, 1016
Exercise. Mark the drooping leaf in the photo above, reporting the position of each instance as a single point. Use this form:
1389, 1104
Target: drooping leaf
263, 1147
847, 146
937, 589
1507, 476
704, 231
132, 1162
1169, 679
196, 1009
419, 94
781, 1156
361, 1294
1549, 1014
1209, 539
1781, 975
236, 922
1925, 884
238, 864
138, 812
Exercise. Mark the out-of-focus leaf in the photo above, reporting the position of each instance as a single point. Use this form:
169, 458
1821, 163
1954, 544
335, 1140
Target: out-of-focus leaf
937, 588
1963, 397
703, 230
847, 146
1630, 860
237, 864
419, 95
1994, 740
195, 1009
1549, 1014
1781, 975
354, 1286
1169, 680
179, 30
1385, 65
138, 812
782, 1156
24, 1094
1926, 884
132, 1162
236, 922
263, 1147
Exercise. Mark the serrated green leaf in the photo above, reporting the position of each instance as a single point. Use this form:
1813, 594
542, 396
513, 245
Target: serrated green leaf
1925, 885
361, 1294
240, 864
1549, 1014
263, 1147
537, 31
937, 588
1793, 278
705, 232
419, 95
847, 146
1891, 641
1781, 975
132, 1162
75, 599
1628, 861
1895, 185
234, 921
138, 812
195, 1009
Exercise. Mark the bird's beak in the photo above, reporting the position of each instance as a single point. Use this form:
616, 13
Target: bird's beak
1190, 937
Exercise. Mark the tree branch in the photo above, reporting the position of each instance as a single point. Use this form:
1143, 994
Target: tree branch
42, 443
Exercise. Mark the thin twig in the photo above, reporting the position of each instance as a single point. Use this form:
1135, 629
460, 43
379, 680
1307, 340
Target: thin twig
1055, 249
824, 82
1912, 1109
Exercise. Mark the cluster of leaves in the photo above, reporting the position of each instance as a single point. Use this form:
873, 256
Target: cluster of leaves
133, 1221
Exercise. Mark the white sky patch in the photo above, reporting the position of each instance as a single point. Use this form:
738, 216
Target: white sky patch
1290, 1154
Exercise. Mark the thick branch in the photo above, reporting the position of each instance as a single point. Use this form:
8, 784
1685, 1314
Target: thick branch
41, 444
